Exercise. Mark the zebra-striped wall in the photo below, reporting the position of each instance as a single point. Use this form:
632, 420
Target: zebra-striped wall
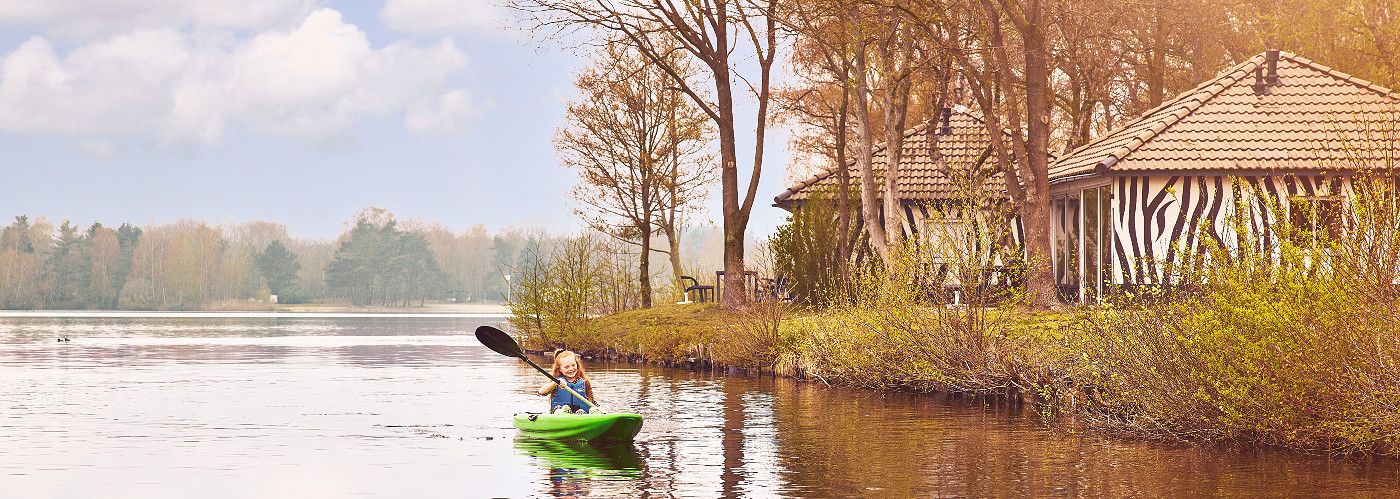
923, 218
919, 214
1158, 222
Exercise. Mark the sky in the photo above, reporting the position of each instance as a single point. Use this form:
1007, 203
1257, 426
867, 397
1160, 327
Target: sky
301, 112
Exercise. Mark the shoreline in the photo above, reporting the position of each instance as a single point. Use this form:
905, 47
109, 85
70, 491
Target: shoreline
430, 309
427, 308
1017, 356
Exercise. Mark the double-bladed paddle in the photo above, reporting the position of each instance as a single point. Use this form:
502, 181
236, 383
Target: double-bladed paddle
503, 344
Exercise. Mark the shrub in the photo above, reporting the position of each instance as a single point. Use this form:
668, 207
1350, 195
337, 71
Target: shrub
1292, 341
897, 336
551, 298
806, 252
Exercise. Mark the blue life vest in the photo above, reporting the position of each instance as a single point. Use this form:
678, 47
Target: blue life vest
563, 397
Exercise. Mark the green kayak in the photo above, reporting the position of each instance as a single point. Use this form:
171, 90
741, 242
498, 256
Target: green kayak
578, 426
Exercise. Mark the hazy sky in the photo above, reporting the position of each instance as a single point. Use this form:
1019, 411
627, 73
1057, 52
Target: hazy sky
294, 111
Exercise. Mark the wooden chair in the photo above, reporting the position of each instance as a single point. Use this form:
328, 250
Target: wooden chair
750, 283
707, 293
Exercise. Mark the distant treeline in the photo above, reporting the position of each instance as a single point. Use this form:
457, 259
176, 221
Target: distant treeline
190, 265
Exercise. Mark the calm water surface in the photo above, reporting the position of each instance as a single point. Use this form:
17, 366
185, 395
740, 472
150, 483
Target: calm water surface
335, 406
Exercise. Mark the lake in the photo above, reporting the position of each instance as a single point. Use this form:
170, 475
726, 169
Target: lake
353, 405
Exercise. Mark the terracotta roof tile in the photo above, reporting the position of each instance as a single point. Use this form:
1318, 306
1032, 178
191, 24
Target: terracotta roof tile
921, 177
1302, 122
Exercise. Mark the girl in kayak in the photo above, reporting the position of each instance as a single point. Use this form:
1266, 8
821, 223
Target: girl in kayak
568, 371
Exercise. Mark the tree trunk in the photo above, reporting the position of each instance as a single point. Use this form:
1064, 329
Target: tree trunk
1032, 165
865, 150
843, 202
644, 268
733, 287
673, 240
896, 96
1041, 278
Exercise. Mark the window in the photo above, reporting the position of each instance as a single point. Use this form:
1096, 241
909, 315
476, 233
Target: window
1090, 254
1057, 241
1096, 266
1065, 227
1070, 223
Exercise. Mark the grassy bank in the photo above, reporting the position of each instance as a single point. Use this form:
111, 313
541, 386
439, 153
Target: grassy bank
1222, 366
668, 334
695, 334
910, 348
1286, 336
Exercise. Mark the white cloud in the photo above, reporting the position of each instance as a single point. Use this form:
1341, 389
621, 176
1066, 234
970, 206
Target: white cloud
100, 148
443, 115
78, 19
440, 16
302, 82
312, 82
121, 84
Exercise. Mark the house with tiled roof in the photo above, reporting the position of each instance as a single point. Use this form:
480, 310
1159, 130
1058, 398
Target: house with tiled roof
924, 186
1129, 206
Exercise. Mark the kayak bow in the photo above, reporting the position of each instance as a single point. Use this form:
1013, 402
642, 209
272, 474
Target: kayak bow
578, 426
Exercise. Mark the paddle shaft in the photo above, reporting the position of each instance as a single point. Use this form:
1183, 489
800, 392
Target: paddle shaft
556, 381
501, 343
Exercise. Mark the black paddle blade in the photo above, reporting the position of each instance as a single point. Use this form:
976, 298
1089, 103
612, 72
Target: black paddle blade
499, 341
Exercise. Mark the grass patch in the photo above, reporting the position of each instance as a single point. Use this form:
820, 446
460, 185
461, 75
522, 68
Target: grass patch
918, 348
667, 334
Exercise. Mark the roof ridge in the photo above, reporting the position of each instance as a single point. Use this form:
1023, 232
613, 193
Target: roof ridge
1340, 75
1145, 114
829, 171
1188, 103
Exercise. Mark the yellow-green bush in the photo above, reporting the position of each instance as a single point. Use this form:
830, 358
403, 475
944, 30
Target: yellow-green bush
899, 335
666, 333
1292, 344
553, 295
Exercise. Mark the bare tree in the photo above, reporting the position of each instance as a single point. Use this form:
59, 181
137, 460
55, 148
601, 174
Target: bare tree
888, 76
640, 152
682, 195
820, 100
730, 39
980, 36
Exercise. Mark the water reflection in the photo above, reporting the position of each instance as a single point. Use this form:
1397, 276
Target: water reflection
781, 438
176, 407
578, 468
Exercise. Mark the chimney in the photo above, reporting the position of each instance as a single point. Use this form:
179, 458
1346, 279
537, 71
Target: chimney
1272, 57
945, 129
1259, 86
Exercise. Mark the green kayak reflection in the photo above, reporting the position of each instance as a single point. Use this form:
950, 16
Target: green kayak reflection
578, 468
597, 456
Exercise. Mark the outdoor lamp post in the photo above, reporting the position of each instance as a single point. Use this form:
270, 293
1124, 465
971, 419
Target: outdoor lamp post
507, 288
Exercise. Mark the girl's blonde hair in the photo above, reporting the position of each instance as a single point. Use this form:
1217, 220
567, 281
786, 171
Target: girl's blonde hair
560, 355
